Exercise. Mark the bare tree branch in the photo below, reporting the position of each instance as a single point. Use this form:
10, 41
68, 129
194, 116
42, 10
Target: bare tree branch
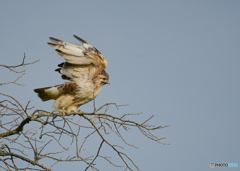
12, 68
25, 132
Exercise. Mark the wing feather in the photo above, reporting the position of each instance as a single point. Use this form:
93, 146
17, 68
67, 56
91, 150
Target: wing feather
72, 53
68, 49
85, 44
80, 60
72, 59
61, 42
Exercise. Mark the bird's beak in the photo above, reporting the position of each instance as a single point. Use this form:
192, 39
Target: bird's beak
107, 82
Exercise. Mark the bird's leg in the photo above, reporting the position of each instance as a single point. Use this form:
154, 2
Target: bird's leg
63, 111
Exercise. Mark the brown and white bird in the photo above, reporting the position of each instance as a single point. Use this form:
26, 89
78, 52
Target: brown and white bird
84, 68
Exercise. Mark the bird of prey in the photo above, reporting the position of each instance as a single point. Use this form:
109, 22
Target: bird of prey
84, 68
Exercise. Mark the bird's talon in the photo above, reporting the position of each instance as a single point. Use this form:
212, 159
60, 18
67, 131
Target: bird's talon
63, 111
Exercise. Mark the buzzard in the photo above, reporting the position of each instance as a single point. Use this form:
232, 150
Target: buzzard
84, 68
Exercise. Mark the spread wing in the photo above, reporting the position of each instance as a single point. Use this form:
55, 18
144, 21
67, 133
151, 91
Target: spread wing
81, 60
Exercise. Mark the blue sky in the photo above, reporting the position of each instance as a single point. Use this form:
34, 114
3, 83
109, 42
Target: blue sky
176, 60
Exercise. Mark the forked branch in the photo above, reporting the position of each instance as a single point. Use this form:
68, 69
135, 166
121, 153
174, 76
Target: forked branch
12, 68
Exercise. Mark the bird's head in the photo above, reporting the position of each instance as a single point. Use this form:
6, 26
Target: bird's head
105, 81
103, 78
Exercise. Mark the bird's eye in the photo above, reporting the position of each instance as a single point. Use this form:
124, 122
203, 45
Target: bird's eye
104, 78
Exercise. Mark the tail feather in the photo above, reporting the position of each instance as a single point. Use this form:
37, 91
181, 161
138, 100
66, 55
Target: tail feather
48, 93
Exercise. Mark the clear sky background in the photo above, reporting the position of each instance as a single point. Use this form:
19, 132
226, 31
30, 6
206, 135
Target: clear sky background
177, 60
